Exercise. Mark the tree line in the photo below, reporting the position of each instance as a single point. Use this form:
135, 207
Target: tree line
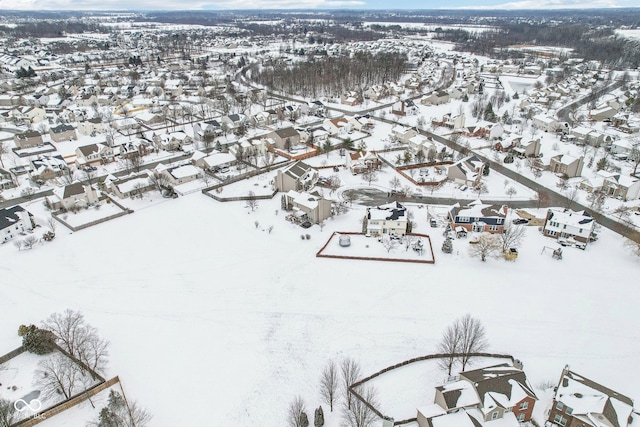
333, 75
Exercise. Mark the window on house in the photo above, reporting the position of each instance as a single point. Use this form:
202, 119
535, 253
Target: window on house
569, 410
493, 228
559, 406
523, 405
520, 417
494, 415
560, 420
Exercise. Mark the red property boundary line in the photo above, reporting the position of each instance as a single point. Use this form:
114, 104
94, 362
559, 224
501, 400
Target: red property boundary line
319, 254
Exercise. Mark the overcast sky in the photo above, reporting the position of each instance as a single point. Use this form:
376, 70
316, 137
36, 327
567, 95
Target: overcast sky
304, 4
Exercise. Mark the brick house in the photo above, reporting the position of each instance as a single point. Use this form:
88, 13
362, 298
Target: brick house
581, 402
478, 217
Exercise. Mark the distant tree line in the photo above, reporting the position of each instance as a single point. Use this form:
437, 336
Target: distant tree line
599, 43
333, 75
50, 29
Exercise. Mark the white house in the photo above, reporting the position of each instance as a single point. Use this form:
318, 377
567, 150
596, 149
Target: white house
568, 224
387, 219
13, 221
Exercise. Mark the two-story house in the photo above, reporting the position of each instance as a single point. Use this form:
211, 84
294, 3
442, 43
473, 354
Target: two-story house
387, 219
568, 224
298, 176
581, 402
478, 217
13, 221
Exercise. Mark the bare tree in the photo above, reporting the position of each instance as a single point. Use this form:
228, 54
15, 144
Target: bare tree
52, 224
395, 183
7, 413
450, 344
4, 149
370, 175
487, 245
512, 236
79, 339
573, 195
59, 375
473, 338
329, 383
295, 411
159, 181
350, 371
29, 242
359, 414
252, 202
511, 191
632, 246
623, 212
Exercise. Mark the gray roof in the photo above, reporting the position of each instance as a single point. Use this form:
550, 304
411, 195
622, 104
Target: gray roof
8, 216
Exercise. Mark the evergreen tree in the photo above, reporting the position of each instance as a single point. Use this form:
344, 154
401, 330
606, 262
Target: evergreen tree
38, 341
318, 419
304, 420
447, 246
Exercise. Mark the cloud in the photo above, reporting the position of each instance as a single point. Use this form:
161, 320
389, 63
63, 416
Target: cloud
171, 5
548, 4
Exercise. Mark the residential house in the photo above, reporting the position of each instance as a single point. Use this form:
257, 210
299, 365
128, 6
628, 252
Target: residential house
451, 121
350, 98
566, 165
402, 134
91, 126
435, 98
129, 186
180, 174
362, 161
602, 113
72, 196
62, 133
298, 176
402, 108
171, 141
29, 114
264, 118
312, 207
467, 171
47, 167
581, 402
361, 123
527, 149
233, 121
14, 221
545, 123
7, 179
486, 130
148, 118
211, 127
375, 92
421, 144
214, 162
567, 224
613, 184
317, 107
478, 217
387, 219
337, 127
94, 154
28, 139
285, 138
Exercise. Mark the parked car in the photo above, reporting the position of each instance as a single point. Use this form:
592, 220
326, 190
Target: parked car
520, 221
305, 224
433, 223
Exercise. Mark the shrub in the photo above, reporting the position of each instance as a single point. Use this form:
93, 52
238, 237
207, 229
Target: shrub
23, 329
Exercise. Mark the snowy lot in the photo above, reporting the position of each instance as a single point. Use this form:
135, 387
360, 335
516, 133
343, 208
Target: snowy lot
198, 301
94, 213
371, 247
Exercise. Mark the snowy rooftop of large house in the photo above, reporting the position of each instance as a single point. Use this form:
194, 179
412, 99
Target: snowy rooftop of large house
594, 403
459, 394
577, 219
218, 159
478, 209
184, 171
392, 211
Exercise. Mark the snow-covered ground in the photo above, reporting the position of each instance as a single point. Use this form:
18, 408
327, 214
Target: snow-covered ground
212, 320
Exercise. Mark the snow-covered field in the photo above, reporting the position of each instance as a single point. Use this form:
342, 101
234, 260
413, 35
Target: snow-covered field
212, 320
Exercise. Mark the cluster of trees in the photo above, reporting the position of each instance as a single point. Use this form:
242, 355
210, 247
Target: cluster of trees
333, 75
599, 43
465, 336
21, 73
61, 376
48, 28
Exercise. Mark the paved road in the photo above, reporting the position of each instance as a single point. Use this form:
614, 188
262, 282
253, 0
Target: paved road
376, 197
